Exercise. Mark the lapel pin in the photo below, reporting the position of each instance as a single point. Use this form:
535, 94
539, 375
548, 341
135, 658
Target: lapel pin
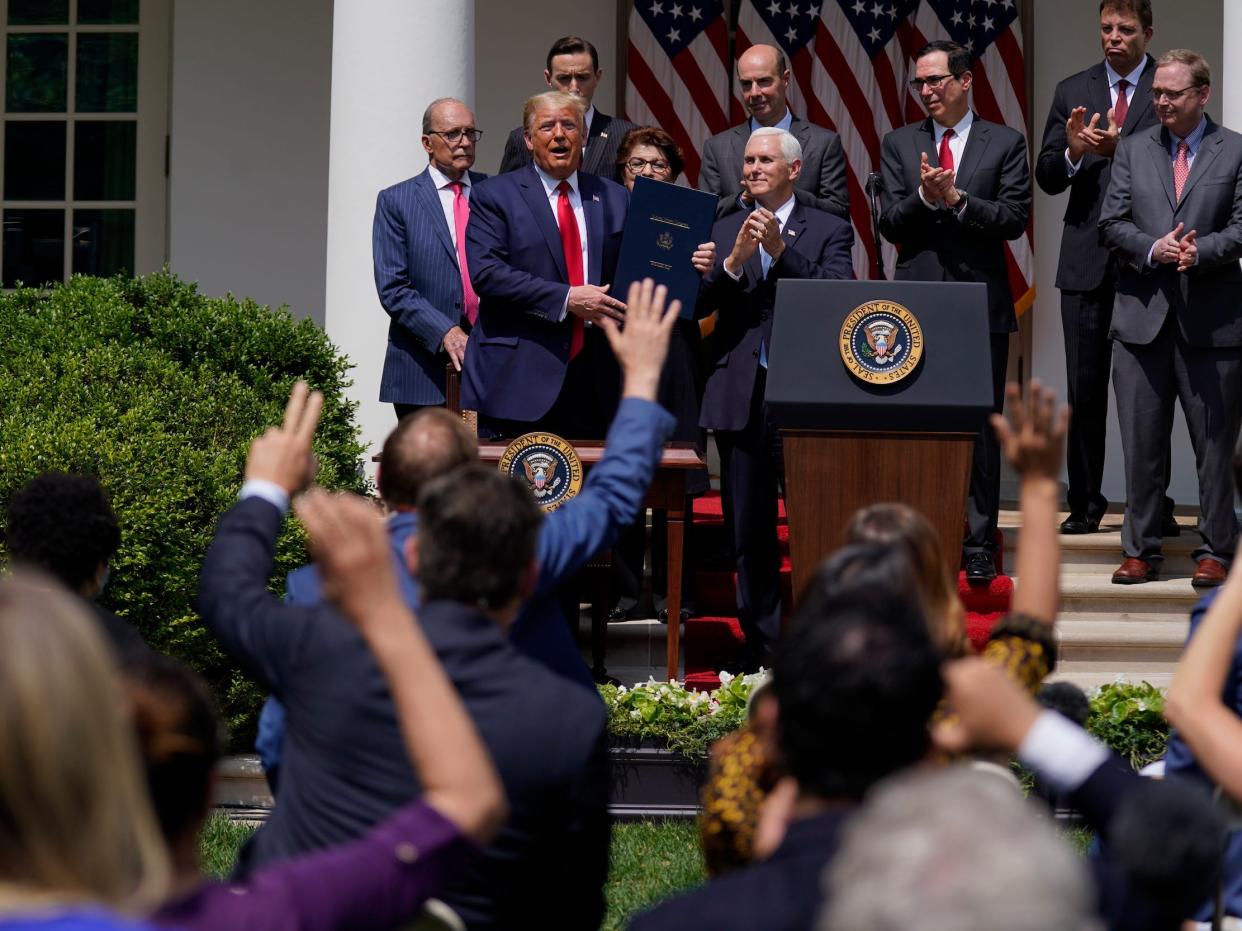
595, 197
603, 135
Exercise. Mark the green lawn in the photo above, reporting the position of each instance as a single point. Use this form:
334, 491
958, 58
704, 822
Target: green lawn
650, 861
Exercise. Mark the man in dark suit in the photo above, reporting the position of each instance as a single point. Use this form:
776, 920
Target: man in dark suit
420, 270
573, 68
779, 239
344, 767
1173, 214
1091, 112
763, 76
955, 189
542, 246
856, 680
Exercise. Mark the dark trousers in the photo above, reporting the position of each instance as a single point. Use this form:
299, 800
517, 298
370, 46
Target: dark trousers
586, 403
1148, 381
405, 410
983, 499
751, 470
1085, 319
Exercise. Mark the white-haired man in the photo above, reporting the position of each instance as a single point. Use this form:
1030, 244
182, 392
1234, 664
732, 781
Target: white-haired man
779, 238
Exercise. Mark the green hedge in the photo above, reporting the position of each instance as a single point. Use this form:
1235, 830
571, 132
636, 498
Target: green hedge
158, 391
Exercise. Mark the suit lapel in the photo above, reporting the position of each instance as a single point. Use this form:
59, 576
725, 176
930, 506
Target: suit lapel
597, 135
925, 143
792, 233
593, 211
537, 201
1099, 96
976, 142
1159, 150
435, 211
1140, 103
1209, 148
740, 134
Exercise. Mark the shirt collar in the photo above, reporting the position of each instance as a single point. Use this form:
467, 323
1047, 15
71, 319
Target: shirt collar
784, 210
960, 128
783, 123
550, 184
588, 117
1193, 138
441, 180
1132, 77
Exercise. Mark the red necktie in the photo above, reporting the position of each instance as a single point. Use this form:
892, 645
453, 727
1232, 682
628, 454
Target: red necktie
1181, 168
1122, 106
946, 154
571, 245
461, 213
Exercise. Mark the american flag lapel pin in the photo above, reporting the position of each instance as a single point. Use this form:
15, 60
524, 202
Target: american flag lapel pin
595, 197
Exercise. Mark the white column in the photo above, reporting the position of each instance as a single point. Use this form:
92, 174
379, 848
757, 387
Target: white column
1229, 86
390, 58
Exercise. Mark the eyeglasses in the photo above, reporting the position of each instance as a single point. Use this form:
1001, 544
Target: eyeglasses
636, 165
453, 136
1172, 96
933, 82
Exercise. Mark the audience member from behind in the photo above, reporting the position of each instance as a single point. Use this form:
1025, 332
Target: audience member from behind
63, 524
855, 685
898, 525
954, 850
360, 884
345, 767
78, 841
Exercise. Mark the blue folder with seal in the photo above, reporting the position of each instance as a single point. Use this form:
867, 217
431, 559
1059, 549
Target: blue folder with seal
664, 225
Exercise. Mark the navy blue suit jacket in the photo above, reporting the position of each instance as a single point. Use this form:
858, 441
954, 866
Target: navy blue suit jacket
345, 764
817, 245
518, 351
419, 285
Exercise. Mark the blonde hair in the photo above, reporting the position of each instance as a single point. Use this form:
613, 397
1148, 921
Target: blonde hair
1195, 63
558, 100
891, 524
78, 824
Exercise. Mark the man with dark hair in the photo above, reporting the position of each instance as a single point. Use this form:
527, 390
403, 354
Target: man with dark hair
419, 250
1091, 112
855, 684
573, 68
545, 733
763, 77
956, 187
63, 524
1173, 214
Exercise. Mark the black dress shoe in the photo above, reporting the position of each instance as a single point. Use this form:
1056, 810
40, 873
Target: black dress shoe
662, 614
622, 614
980, 567
1170, 527
1078, 523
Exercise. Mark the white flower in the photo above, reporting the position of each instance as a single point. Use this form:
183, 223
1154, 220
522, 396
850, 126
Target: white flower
1120, 679
1142, 706
725, 678
635, 714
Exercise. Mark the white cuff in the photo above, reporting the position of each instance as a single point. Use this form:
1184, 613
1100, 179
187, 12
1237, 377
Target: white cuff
1071, 168
564, 308
270, 492
1151, 255
926, 203
725, 265
1061, 752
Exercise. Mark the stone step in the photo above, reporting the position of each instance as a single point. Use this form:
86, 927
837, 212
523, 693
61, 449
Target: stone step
1089, 680
1093, 552
1093, 595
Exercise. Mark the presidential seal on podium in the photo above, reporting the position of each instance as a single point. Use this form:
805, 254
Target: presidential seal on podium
546, 463
881, 342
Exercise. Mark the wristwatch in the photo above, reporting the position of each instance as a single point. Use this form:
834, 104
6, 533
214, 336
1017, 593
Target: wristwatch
962, 197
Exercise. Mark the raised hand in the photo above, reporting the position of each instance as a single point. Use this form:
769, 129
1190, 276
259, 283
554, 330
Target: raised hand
1073, 133
1032, 438
642, 346
282, 455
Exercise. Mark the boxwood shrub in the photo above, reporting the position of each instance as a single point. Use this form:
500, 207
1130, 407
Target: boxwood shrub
158, 390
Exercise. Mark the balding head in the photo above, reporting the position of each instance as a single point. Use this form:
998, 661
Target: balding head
763, 77
427, 444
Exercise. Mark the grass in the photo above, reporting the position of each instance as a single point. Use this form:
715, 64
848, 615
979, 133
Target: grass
651, 860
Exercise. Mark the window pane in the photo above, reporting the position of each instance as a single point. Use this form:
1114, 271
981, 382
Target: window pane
38, 12
34, 246
103, 241
107, 72
104, 160
37, 75
107, 11
34, 160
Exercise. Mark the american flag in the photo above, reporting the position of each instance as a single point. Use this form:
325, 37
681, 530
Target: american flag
678, 72
990, 29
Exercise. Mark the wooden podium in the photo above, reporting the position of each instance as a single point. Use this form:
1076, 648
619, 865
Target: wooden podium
849, 443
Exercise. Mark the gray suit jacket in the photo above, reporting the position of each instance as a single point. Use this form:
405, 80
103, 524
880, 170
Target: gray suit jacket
1141, 206
821, 184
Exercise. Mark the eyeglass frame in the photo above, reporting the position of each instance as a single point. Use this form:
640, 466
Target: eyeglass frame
643, 162
453, 136
1173, 96
935, 81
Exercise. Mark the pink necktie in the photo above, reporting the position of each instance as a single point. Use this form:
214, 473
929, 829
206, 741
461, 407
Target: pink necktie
1181, 168
1122, 107
461, 213
946, 154
571, 245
